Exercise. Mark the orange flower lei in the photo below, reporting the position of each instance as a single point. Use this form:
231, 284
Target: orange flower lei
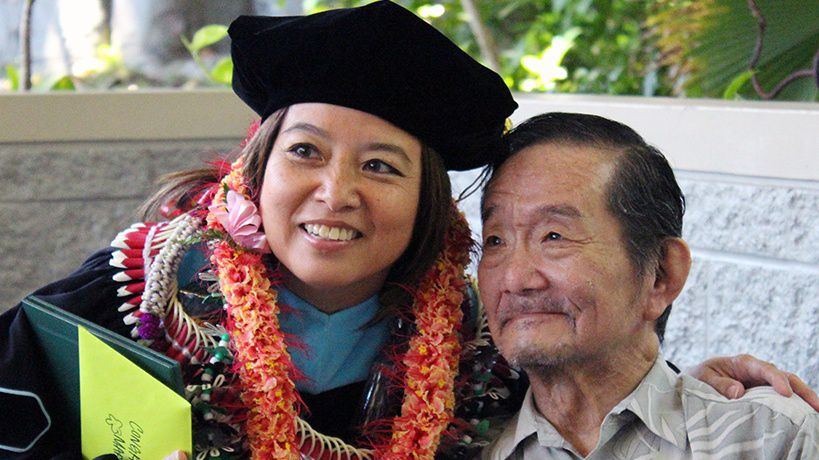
260, 352
432, 358
264, 365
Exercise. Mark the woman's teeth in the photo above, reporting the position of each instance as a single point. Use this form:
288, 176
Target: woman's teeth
330, 233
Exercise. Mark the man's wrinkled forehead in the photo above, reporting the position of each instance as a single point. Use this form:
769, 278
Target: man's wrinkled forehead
513, 164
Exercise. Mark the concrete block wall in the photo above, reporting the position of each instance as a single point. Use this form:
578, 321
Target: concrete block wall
61, 202
76, 166
754, 285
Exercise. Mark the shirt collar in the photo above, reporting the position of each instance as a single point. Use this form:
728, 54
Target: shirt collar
655, 402
527, 423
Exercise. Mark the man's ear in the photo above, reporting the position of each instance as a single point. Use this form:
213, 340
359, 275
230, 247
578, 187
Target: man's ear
669, 277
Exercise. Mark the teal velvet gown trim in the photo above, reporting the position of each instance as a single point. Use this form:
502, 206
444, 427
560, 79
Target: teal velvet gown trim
333, 350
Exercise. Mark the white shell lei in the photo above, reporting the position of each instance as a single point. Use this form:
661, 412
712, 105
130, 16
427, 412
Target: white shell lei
160, 284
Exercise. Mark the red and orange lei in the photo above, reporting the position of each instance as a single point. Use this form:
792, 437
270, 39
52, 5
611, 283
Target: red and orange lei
264, 365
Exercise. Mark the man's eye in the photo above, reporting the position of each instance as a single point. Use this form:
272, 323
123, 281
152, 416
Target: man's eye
380, 167
492, 241
553, 236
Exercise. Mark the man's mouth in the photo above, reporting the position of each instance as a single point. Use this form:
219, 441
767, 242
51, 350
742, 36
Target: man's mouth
331, 233
530, 307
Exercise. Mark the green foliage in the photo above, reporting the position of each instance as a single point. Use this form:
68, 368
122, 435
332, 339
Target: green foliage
105, 71
546, 68
64, 83
737, 83
616, 46
13, 76
222, 71
650, 47
206, 36
718, 52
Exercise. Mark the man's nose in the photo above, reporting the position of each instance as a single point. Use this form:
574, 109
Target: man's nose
339, 188
522, 272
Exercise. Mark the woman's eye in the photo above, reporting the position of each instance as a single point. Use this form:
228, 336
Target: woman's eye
380, 167
303, 150
553, 236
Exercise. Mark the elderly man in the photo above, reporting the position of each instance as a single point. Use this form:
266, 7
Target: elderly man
582, 257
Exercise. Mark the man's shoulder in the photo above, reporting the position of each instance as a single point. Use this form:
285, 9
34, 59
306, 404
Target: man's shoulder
761, 421
760, 402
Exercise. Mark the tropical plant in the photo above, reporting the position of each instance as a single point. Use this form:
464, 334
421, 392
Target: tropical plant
741, 48
222, 71
695, 48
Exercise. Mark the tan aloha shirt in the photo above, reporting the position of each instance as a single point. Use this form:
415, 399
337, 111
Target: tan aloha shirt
670, 416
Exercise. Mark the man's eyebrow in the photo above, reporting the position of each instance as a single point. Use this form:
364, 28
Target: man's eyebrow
562, 210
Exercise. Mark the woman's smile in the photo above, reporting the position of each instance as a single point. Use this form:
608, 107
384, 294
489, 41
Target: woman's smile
331, 232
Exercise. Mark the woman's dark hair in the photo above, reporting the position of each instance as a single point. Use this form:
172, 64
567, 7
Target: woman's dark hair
431, 220
643, 194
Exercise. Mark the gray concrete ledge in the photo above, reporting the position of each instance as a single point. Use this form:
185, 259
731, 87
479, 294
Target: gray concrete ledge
118, 116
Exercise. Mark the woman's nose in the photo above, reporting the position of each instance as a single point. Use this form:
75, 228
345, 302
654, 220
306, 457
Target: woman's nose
339, 189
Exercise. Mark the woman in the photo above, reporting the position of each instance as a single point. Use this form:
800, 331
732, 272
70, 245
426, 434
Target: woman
324, 268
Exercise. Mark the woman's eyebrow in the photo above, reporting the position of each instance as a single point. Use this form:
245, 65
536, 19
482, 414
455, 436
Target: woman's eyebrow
386, 147
302, 126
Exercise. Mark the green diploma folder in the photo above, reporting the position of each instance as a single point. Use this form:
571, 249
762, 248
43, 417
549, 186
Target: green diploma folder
120, 396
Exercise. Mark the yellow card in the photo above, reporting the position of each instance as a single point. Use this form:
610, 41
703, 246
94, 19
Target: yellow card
124, 410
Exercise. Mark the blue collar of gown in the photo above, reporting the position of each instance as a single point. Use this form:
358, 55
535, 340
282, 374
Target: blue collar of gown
336, 349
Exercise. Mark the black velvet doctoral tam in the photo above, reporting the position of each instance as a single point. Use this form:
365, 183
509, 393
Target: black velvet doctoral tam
380, 59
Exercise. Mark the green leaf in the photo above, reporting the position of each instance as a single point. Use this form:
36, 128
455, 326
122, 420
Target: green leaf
736, 84
63, 84
222, 72
727, 40
207, 36
14, 77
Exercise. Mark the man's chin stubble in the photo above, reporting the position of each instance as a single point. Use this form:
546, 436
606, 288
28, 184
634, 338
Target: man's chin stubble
542, 363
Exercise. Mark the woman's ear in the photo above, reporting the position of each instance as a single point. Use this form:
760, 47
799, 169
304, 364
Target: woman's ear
669, 277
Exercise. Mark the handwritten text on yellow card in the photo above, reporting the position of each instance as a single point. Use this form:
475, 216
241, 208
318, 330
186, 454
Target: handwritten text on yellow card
124, 410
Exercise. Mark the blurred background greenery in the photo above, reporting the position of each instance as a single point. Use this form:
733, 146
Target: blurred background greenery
686, 48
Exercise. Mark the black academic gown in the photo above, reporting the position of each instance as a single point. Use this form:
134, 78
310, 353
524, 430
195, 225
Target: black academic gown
91, 293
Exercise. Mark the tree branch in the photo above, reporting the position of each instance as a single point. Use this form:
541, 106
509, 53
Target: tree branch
486, 42
25, 46
761, 24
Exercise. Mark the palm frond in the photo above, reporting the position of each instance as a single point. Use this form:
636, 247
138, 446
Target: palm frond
713, 42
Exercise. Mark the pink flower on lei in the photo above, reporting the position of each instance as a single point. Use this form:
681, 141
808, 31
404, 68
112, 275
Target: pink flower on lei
240, 218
